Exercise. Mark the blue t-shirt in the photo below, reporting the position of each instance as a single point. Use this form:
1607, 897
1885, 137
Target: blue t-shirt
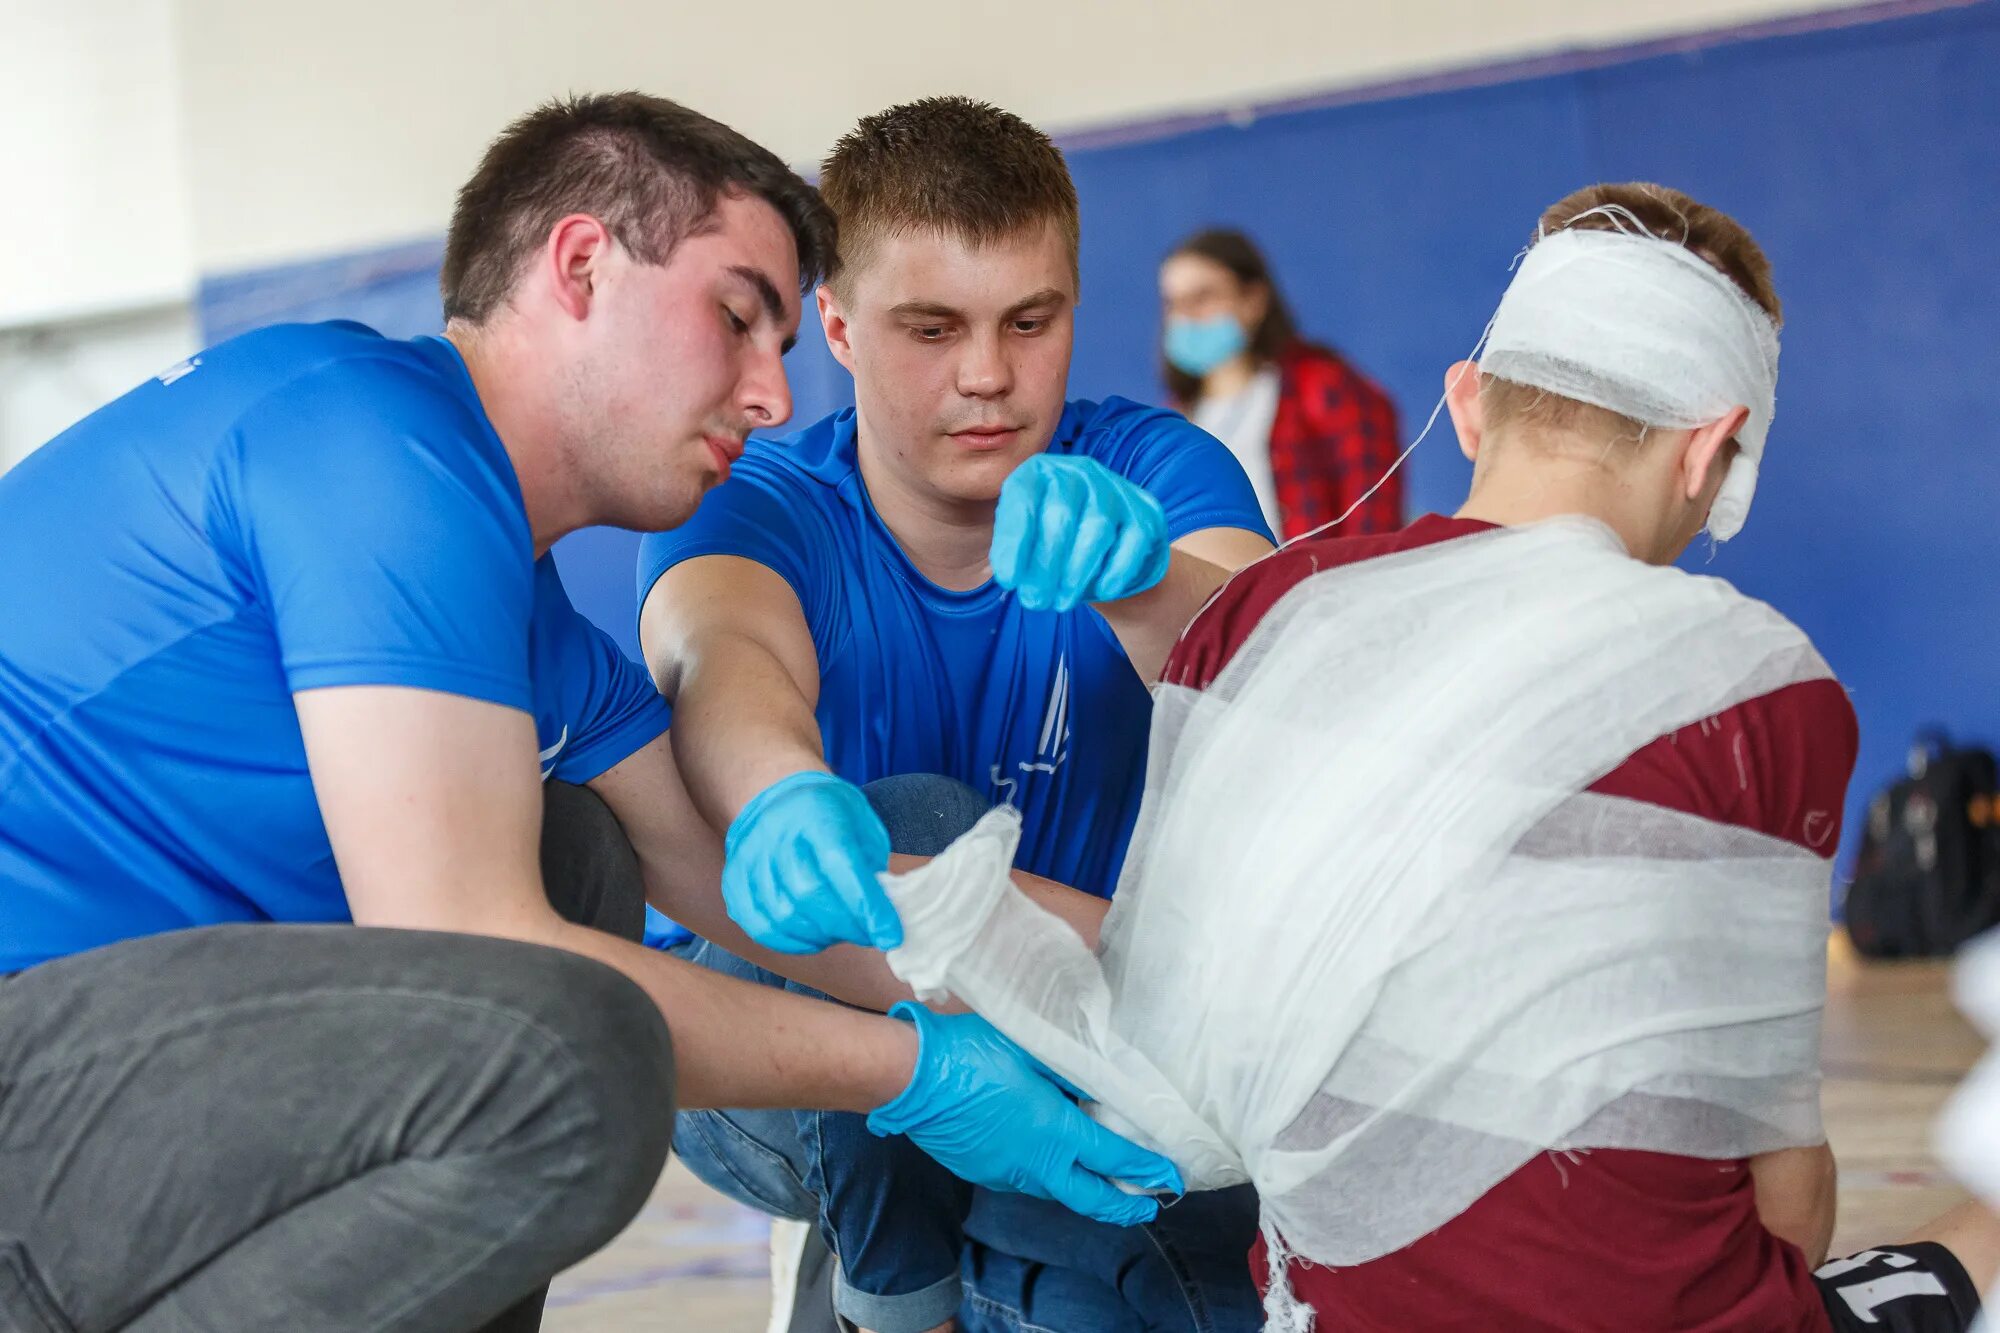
1038, 709
303, 506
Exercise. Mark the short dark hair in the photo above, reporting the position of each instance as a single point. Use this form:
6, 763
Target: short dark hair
649, 169
1240, 255
950, 165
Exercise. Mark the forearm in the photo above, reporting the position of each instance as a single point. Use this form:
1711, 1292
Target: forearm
1797, 1192
1149, 623
1081, 912
681, 863
847, 972
740, 724
743, 1045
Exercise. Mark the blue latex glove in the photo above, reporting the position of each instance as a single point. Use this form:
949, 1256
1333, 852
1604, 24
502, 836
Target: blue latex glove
1070, 531
801, 864
994, 1115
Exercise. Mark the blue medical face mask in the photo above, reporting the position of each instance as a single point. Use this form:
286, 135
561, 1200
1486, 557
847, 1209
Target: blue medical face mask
1197, 346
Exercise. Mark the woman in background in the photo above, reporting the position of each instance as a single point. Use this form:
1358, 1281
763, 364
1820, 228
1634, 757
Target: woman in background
1313, 432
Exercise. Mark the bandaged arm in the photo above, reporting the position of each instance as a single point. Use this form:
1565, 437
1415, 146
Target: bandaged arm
1797, 1190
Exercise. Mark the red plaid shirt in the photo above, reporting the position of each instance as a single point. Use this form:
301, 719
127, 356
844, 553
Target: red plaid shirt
1334, 436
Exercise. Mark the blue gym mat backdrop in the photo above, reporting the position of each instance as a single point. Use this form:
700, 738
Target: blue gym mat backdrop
1861, 147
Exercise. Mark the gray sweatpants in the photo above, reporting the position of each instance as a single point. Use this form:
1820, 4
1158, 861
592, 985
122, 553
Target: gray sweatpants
270, 1127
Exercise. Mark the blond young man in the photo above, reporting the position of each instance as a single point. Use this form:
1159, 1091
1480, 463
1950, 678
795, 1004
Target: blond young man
966, 577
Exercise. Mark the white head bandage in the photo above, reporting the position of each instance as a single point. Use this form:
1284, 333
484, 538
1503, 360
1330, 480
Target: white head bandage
1649, 330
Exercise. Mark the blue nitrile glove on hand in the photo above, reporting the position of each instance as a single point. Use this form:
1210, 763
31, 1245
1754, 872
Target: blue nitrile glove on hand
994, 1115
801, 864
1070, 531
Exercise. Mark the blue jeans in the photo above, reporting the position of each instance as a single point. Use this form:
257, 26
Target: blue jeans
1035, 1267
890, 1214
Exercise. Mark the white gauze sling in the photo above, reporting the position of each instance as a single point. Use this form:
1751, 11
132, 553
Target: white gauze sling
1966, 1137
1375, 945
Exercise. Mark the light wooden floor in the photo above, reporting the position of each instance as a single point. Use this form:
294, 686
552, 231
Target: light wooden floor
1894, 1050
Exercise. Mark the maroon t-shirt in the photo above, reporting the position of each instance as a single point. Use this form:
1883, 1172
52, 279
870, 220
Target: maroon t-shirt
1607, 1239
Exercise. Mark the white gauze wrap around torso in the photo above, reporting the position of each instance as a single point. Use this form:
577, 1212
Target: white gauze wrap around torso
1376, 945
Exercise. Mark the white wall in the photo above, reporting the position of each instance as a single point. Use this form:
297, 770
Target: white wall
51, 376
97, 213
96, 242
315, 129
145, 141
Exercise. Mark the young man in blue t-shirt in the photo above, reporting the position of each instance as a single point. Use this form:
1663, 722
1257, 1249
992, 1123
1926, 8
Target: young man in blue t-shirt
283, 645
965, 575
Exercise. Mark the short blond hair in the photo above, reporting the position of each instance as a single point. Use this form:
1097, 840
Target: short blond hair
949, 165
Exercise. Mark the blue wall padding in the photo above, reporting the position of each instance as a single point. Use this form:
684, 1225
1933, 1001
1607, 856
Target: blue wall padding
392, 291
1865, 158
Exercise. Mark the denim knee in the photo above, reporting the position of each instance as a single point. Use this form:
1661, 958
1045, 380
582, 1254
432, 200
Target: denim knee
923, 812
752, 1157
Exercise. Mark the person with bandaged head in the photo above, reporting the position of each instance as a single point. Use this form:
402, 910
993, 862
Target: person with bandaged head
1476, 911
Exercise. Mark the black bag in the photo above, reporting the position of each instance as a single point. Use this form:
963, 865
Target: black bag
1928, 876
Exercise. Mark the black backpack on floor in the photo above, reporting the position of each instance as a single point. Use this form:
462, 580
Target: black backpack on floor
1928, 876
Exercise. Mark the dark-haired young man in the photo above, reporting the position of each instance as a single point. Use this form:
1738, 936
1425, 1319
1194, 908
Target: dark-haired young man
282, 645
965, 576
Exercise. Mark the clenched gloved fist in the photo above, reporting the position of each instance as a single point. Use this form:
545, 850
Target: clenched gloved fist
1070, 531
801, 867
994, 1115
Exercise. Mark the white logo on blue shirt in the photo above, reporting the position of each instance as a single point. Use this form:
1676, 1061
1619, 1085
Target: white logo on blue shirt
176, 373
548, 756
1052, 749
